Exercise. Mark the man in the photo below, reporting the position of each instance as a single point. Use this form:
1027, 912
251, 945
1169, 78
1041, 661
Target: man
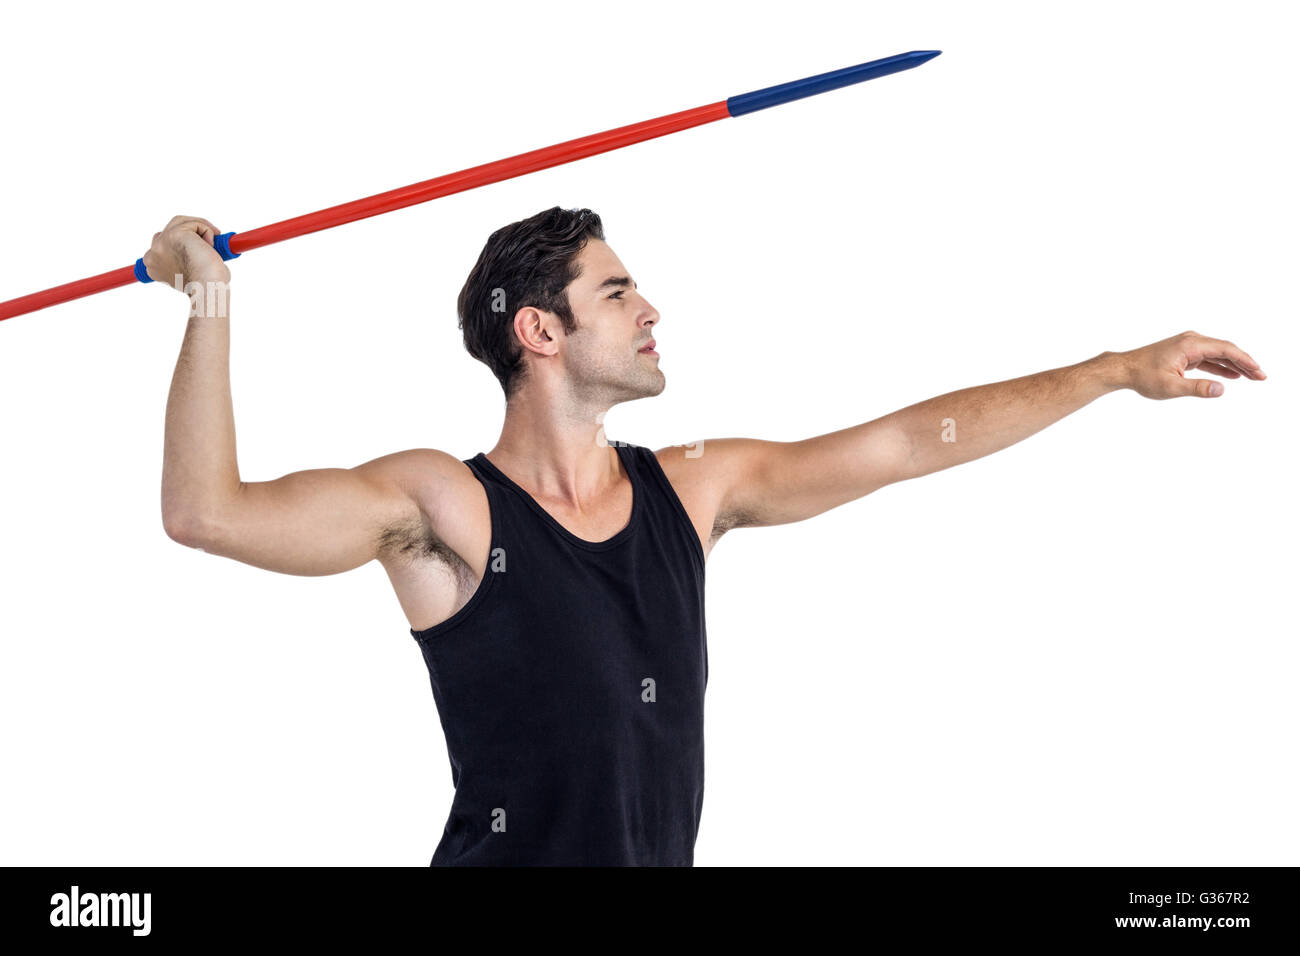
555, 585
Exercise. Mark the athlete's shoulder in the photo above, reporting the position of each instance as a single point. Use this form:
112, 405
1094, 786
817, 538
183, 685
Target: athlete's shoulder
714, 461
451, 503
414, 468
702, 473
440, 484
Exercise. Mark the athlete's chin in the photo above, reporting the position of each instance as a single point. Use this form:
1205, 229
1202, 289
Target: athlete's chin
645, 386
656, 385
640, 386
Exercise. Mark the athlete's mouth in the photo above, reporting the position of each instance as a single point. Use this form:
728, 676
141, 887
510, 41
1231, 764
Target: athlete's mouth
649, 348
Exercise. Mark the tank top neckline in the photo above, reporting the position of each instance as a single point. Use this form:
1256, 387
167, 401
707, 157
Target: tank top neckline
618, 537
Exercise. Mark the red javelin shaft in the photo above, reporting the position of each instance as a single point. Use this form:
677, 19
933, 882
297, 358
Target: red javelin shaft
493, 172
479, 176
456, 182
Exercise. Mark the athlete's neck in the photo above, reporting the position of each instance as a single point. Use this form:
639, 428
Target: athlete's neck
557, 451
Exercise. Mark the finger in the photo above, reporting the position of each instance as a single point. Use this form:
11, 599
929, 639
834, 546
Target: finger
1221, 349
1200, 387
1217, 369
1248, 372
200, 225
176, 221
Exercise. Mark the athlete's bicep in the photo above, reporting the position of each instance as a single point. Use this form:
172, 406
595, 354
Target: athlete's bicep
322, 520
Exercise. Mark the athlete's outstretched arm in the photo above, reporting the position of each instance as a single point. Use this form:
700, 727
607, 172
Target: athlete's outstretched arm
766, 483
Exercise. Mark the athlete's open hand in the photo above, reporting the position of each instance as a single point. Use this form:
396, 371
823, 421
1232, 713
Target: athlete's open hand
1159, 370
185, 248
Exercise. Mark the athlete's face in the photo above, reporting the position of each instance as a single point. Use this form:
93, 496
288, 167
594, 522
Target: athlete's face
605, 358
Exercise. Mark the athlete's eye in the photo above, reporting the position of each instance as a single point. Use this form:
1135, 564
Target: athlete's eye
616, 293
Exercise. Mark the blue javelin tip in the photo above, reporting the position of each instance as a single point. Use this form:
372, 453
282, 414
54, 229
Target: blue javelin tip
822, 82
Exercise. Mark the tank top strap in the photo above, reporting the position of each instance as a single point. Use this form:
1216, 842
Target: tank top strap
664, 506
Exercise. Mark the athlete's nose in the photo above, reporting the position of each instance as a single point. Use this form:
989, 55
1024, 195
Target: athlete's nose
652, 316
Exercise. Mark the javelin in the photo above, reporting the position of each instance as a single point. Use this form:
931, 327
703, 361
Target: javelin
232, 244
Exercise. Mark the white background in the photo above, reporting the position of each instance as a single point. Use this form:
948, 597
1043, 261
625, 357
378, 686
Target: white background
1080, 650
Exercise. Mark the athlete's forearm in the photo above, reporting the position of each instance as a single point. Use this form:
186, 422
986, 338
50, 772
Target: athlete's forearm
964, 425
199, 464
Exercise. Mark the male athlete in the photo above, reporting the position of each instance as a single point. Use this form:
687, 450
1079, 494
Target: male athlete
555, 584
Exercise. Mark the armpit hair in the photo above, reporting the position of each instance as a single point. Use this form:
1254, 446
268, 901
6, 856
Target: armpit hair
414, 540
723, 523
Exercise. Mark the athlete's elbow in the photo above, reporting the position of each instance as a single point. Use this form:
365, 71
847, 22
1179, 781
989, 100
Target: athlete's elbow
187, 527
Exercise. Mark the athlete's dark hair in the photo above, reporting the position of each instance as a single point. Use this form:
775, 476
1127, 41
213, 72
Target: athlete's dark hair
527, 263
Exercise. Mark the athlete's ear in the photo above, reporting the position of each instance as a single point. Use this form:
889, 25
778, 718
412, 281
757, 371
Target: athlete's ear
533, 328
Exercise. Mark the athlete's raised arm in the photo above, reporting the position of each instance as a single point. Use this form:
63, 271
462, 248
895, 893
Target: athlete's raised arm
320, 521
754, 483
313, 522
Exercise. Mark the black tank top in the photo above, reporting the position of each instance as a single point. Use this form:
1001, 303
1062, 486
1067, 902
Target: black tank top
570, 686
